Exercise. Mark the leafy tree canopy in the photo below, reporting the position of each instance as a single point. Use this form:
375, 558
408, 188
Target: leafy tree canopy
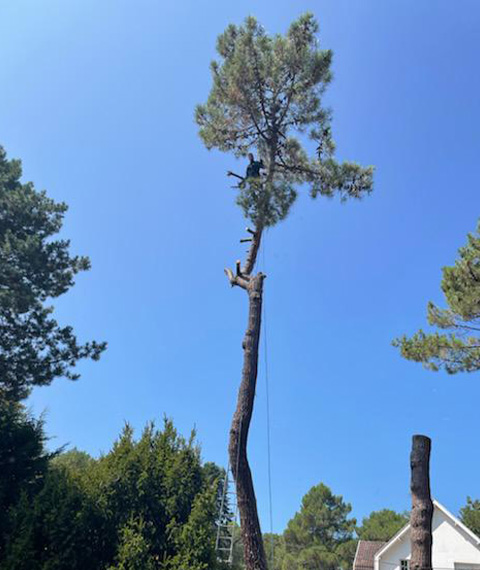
458, 349
267, 90
381, 525
34, 267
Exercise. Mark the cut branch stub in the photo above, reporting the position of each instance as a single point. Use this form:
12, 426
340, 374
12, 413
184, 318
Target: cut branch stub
236, 279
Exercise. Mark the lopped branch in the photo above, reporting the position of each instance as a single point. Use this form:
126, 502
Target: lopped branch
230, 173
237, 280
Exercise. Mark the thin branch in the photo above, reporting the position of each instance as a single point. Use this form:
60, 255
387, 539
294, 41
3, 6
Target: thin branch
259, 84
289, 99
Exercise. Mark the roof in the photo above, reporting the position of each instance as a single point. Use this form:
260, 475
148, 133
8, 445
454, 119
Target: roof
369, 551
366, 550
406, 529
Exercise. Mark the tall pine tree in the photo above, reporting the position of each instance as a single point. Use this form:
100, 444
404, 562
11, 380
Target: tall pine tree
266, 91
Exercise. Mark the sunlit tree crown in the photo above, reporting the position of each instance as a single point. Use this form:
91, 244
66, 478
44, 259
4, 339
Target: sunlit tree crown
267, 95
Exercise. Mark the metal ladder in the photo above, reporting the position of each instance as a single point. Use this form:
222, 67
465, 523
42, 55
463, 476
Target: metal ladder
227, 520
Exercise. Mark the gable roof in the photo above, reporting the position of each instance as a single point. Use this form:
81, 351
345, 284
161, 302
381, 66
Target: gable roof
453, 519
369, 551
365, 554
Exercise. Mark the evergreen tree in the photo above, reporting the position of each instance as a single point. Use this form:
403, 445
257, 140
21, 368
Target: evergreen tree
148, 504
320, 535
59, 528
196, 540
266, 91
34, 267
457, 349
381, 525
134, 550
470, 515
23, 459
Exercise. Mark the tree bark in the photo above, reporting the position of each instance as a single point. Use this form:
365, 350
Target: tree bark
254, 551
422, 506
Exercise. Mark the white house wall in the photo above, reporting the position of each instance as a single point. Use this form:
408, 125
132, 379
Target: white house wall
451, 544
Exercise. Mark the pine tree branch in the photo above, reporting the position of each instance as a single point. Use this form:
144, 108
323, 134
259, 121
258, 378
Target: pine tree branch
260, 84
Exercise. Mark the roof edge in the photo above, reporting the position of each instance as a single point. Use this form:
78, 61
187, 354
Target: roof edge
458, 523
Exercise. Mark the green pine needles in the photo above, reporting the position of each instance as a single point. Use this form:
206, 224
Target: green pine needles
267, 91
457, 349
34, 269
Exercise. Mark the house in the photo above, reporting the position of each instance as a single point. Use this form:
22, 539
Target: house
454, 547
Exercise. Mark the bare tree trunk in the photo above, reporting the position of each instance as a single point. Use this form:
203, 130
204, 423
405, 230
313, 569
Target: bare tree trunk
254, 552
422, 506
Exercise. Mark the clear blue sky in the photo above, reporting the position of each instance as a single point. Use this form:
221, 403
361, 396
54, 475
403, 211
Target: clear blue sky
97, 99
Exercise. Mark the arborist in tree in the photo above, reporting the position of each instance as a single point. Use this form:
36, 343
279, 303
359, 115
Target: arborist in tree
252, 173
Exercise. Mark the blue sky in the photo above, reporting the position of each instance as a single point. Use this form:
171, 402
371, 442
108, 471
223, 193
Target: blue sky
97, 99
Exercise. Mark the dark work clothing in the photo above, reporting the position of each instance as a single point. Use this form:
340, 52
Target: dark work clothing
253, 169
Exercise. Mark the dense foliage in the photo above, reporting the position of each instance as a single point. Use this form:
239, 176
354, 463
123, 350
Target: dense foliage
23, 460
381, 525
34, 267
320, 535
457, 350
148, 503
267, 92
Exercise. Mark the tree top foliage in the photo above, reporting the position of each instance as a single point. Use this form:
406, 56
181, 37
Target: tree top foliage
34, 268
381, 525
267, 91
470, 515
320, 535
457, 349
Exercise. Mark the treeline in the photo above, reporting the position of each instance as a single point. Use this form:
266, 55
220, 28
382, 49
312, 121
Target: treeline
151, 504
321, 536
146, 504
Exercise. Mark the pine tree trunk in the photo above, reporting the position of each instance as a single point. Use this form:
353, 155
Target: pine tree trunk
254, 551
422, 506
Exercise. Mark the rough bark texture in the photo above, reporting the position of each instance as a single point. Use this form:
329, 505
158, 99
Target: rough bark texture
422, 506
254, 552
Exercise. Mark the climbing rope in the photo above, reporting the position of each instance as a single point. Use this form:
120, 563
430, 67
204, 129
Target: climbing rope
269, 462
267, 393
